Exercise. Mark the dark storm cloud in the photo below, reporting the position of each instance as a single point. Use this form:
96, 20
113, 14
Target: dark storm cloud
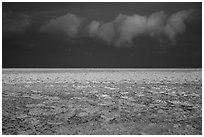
15, 23
122, 30
66, 24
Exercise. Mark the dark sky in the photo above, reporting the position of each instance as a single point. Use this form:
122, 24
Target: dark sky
101, 35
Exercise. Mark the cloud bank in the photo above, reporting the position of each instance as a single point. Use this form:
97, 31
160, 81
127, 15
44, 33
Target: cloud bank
67, 24
122, 30
14, 23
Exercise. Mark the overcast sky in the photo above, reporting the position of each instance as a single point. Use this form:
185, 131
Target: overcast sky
98, 35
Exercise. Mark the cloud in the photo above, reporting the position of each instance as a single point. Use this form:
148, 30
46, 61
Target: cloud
14, 23
105, 31
176, 24
122, 30
131, 27
93, 28
67, 24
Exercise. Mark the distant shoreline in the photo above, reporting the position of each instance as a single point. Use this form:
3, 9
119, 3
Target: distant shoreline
82, 70
101, 68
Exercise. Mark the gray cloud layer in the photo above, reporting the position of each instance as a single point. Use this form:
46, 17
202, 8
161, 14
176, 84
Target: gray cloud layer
124, 28
14, 23
67, 24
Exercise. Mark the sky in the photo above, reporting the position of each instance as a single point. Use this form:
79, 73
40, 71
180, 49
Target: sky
101, 35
